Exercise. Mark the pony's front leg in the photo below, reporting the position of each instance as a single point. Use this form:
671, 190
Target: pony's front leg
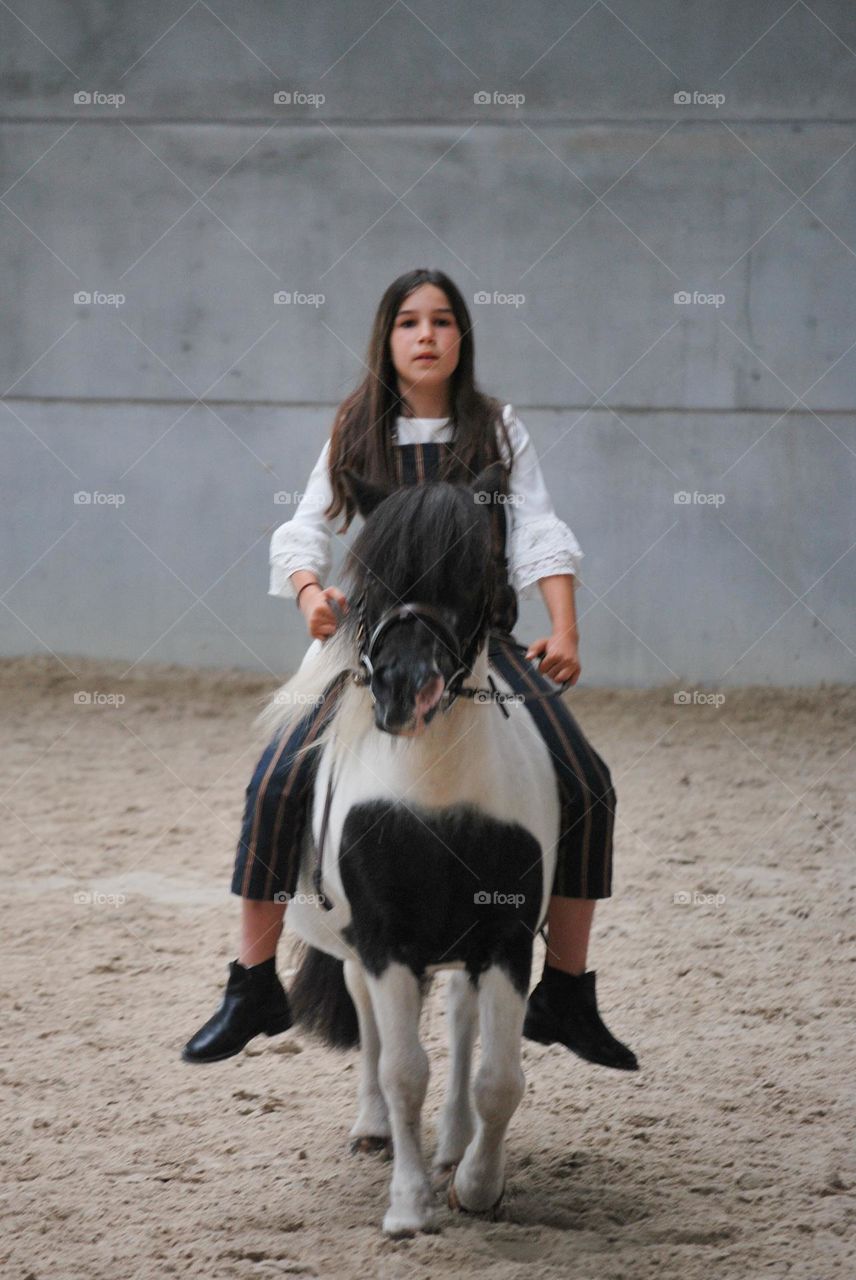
480, 1177
396, 999
371, 1130
456, 1122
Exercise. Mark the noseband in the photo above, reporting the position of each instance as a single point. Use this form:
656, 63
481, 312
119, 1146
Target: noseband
439, 628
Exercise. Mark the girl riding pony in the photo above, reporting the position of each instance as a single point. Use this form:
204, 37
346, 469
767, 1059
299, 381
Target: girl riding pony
417, 416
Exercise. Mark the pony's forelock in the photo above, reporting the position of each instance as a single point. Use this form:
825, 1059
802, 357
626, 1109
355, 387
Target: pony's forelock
430, 541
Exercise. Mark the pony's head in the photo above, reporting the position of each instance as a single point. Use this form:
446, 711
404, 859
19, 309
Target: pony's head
421, 575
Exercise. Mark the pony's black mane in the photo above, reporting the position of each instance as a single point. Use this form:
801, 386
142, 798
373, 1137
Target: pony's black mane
428, 542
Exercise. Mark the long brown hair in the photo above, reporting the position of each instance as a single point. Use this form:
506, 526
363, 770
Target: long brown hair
362, 435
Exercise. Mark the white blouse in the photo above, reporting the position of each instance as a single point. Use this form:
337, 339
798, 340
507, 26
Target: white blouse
539, 543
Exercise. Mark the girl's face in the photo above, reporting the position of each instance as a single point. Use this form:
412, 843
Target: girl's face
425, 341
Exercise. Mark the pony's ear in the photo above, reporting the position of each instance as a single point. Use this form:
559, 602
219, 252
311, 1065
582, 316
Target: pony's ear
366, 494
489, 481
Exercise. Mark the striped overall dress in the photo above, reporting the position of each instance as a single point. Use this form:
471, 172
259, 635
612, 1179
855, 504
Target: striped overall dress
278, 797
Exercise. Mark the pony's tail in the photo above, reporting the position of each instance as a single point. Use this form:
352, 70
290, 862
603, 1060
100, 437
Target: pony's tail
320, 1001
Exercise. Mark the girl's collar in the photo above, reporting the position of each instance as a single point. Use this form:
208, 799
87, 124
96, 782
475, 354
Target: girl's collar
402, 418
429, 422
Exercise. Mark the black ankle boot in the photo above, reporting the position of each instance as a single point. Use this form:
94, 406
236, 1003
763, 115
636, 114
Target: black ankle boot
563, 1008
255, 1002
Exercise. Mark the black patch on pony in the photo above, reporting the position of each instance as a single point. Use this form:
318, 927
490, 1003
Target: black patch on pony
454, 884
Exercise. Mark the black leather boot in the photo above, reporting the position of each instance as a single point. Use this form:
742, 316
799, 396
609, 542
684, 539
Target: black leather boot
255, 1002
563, 1008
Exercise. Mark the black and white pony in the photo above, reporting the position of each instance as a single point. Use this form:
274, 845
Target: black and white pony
437, 817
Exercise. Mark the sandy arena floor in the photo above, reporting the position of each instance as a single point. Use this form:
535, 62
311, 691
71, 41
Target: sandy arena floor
729, 1155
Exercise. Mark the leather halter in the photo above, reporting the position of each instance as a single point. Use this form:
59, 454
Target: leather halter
426, 613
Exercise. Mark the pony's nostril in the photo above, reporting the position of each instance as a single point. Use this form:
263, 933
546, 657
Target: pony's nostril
430, 694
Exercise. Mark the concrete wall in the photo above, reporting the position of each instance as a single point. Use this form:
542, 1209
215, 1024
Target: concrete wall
598, 199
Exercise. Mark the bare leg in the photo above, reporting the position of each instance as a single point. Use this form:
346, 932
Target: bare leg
568, 929
261, 926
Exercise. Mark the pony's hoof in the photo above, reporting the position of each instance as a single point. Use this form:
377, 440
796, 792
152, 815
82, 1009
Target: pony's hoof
454, 1202
402, 1226
370, 1145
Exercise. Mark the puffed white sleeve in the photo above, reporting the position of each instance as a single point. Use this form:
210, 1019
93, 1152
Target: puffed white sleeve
303, 542
540, 543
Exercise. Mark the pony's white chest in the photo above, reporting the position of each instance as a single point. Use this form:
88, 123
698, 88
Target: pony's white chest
499, 766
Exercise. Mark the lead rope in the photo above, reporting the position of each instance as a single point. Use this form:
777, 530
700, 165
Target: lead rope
319, 853
495, 691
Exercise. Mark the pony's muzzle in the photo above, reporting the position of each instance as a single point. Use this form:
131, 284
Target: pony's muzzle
412, 703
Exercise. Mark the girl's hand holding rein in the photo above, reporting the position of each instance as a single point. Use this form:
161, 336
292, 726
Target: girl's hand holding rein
316, 608
561, 660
